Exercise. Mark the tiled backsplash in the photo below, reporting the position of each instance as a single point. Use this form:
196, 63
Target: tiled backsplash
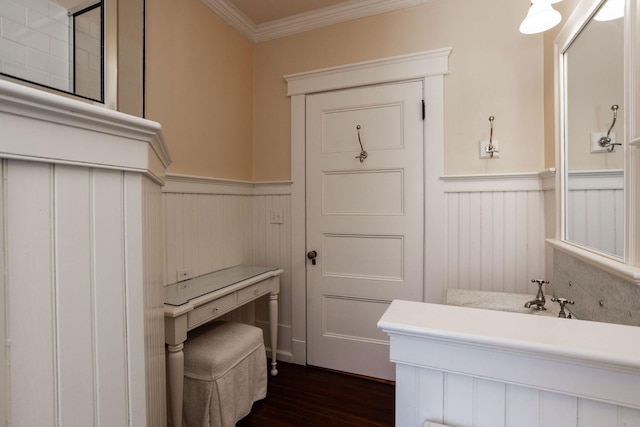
34, 42
598, 295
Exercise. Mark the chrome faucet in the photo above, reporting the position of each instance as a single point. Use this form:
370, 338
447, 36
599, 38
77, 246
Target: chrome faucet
538, 303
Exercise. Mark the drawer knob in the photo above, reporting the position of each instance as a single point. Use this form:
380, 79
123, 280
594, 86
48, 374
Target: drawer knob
215, 309
256, 292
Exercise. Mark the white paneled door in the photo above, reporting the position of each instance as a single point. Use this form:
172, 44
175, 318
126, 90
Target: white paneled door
364, 220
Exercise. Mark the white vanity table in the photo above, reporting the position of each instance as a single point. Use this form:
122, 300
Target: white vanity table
195, 302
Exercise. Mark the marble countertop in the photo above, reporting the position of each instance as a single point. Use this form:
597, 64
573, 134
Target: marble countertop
500, 301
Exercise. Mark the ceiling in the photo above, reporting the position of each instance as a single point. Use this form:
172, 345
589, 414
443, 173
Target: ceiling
261, 20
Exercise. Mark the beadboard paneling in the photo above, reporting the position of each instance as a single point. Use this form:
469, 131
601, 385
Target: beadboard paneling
74, 307
494, 239
32, 327
455, 399
272, 247
109, 287
154, 278
4, 367
595, 210
206, 233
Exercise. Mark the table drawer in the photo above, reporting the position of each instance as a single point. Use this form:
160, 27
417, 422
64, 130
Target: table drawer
254, 291
211, 310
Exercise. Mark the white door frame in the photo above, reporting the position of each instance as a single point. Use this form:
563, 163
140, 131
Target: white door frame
430, 66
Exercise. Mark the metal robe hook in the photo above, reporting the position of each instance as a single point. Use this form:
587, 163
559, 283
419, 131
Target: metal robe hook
605, 141
491, 119
490, 149
363, 154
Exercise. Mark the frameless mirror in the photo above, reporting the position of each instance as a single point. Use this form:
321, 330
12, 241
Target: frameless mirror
57, 44
593, 131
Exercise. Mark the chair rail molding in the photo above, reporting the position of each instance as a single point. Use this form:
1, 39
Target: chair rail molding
525, 181
189, 184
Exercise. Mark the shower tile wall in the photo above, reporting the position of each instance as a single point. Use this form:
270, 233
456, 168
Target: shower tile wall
34, 42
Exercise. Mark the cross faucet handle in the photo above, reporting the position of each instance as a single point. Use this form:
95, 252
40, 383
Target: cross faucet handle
540, 282
562, 302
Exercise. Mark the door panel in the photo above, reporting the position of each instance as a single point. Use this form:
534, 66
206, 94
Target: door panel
363, 256
371, 192
365, 220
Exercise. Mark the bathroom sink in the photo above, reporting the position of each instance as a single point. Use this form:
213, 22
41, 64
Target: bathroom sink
500, 301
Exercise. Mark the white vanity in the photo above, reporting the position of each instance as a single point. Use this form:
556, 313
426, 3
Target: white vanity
473, 367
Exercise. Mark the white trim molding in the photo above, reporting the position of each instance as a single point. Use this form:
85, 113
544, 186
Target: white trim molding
606, 179
342, 12
188, 184
413, 66
548, 178
86, 135
526, 181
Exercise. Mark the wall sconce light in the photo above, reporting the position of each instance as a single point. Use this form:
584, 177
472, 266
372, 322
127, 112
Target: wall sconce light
541, 17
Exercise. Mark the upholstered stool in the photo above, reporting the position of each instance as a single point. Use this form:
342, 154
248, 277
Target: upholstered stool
225, 371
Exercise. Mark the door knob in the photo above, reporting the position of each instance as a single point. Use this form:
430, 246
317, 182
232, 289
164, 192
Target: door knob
312, 256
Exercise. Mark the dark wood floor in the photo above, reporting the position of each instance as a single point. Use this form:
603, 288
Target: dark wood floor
302, 396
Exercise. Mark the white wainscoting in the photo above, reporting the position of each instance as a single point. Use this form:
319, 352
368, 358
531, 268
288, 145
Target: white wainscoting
595, 210
495, 231
81, 343
213, 224
81, 317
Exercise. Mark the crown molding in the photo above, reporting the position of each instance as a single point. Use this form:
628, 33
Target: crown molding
234, 17
346, 11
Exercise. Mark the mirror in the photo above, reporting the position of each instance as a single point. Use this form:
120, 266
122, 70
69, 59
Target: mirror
593, 131
93, 49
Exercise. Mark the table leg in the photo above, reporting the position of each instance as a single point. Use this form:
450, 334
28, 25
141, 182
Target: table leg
175, 367
273, 331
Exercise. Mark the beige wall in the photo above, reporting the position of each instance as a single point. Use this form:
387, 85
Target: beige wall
200, 88
223, 105
494, 70
130, 56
